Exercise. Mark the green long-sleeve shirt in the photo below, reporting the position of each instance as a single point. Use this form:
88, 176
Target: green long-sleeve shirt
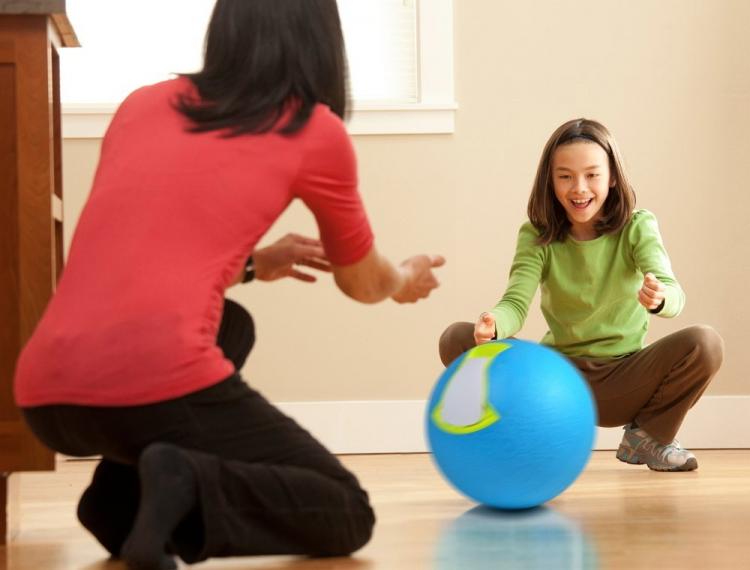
589, 288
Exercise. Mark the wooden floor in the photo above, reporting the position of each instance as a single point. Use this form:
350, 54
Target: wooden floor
614, 516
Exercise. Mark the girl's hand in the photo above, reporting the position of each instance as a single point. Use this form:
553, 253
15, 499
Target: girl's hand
484, 329
651, 294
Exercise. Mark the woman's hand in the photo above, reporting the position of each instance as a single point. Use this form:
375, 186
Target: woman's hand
284, 257
651, 293
484, 329
418, 278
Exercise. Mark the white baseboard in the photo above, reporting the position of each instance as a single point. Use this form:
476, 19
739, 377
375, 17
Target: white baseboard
397, 426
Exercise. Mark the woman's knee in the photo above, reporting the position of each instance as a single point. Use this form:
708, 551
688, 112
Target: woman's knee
455, 340
709, 346
361, 527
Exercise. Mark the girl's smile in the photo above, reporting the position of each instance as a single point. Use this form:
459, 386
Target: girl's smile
582, 204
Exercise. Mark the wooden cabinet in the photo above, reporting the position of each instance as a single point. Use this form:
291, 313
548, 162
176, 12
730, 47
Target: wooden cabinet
31, 257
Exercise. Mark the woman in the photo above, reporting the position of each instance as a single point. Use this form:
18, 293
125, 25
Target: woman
132, 359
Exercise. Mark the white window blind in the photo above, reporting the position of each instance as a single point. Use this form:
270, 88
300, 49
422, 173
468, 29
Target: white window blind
129, 44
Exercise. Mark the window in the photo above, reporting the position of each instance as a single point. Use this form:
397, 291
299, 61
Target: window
400, 59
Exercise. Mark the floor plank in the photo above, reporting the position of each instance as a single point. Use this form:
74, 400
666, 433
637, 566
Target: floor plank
614, 516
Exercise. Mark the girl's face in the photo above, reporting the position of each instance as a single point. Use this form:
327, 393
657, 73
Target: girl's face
581, 178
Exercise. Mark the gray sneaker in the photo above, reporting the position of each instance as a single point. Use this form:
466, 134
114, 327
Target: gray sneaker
638, 448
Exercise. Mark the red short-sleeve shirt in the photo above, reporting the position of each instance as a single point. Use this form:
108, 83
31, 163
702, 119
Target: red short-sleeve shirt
171, 218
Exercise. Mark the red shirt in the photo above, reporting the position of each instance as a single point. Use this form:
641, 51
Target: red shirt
171, 218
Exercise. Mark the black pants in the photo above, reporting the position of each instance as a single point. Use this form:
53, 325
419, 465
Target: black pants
266, 486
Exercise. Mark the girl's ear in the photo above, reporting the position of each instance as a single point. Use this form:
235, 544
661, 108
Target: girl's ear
612, 182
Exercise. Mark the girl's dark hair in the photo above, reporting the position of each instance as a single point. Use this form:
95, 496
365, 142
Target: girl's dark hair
264, 57
548, 215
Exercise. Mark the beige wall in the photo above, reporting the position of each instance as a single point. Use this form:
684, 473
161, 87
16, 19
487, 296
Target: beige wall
671, 79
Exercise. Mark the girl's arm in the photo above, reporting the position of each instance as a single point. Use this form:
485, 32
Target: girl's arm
650, 257
525, 274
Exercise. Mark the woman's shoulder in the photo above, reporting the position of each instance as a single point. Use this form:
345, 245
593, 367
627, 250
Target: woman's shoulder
146, 100
146, 103
326, 133
159, 90
322, 119
326, 146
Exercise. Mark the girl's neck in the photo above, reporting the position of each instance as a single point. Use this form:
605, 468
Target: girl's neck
583, 232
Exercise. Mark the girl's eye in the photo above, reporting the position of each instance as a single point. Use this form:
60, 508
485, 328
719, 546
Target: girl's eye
564, 176
594, 175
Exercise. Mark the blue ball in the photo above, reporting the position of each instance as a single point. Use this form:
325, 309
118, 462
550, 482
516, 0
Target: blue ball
511, 424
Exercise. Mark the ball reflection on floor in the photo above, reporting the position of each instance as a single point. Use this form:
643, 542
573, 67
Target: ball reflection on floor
539, 538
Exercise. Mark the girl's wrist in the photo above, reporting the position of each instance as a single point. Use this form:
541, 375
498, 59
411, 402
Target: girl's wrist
658, 309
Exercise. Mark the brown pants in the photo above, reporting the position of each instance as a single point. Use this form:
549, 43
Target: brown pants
654, 387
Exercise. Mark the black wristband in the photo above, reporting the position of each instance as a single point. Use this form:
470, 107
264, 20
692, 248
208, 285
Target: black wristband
657, 309
249, 270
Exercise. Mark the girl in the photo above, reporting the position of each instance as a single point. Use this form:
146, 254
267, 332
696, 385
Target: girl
133, 360
604, 272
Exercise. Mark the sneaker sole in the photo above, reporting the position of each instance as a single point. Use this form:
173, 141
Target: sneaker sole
628, 456
690, 465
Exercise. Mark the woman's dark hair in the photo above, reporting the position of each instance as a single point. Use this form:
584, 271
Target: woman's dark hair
548, 215
263, 58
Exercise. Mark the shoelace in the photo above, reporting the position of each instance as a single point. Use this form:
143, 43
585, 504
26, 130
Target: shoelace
649, 444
